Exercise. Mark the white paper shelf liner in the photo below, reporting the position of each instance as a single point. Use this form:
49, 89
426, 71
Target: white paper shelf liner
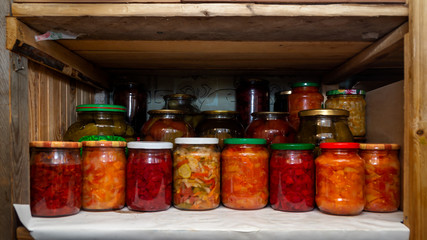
220, 223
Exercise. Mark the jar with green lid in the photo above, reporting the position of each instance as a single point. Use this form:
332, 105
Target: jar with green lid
99, 120
184, 102
352, 100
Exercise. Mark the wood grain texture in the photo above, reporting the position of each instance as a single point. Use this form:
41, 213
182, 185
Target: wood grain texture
207, 1
23, 234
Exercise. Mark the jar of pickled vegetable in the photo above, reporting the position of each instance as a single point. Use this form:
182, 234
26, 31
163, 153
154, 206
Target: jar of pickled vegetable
281, 102
340, 179
272, 126
382, 182
244, 173
184, 102
352, 100
292, 177
304, 96
149, 176
220, 124
55, 178
252, 95
196, 177
104, 167
166, 125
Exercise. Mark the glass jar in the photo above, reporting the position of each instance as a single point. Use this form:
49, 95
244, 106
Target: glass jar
196, 176
244, 173
184, 102
340, 179
252, 95
99, 119
220, 124
149, 176
292, 177
134, 98
304, 96
281, 102
382, 182
104, 167
166, 125
55, 178
272, 126
352, 100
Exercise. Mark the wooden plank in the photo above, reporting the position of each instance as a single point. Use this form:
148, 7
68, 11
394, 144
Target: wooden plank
104, 1
377, 50
23, 234
205, 1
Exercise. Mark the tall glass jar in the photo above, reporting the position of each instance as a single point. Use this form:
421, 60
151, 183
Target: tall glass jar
292, 177
281, 102
252, 95
184, 102
272, 126
55, 178
166, 125
352, 100
304, 96
104, 167
340, 179
382, 169
149, 176
244, 173
196, 178
220, 124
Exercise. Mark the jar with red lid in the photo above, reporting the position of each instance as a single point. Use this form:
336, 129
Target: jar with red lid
104, 169
149, 176
244, 173
382, 169
55, 178
272, 126
304, 96
292, 177
340, 179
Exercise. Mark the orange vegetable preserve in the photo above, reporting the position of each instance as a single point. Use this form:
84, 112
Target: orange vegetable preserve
244, 173
104, 165
382, 183
340, 179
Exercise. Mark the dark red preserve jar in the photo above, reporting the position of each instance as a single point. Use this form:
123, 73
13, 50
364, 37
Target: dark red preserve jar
55, 178
272, 126
292, 177
149, 176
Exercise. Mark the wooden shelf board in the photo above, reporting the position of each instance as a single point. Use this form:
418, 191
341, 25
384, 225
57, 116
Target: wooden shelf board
208, 1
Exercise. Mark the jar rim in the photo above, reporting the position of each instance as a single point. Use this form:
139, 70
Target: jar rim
104, 144
149, 145
225, 112
100, 108
259, 141
324, 112
166, 111
340, 145
179, 96
292, 146
270, 113
305, 84
345, 92
196, 140
379, 146
55, 144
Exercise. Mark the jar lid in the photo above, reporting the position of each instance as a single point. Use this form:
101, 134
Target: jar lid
245, 141
100, 108
379, 146
270, 113
55, 144
345, 92
323, 112
196, 140
166, 111
149, 145
287, 92
215, 112
104, 144
254, 81
339, 145
305, 84
292, 146
179, 96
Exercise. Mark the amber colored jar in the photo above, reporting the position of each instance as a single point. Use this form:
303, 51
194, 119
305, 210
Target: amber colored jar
252, 95
382, 182
104, 168
184, 102
244, 172
304, 96
149, 176
272, 126
55, 178
340, 179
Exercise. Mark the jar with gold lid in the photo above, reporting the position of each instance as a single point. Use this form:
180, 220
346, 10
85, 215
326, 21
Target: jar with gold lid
185, 103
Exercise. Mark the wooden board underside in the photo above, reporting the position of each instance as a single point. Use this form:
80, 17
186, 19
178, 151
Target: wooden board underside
231, 1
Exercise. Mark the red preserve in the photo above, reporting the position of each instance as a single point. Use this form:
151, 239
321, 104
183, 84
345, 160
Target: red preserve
292, 177
272, 126
149, 176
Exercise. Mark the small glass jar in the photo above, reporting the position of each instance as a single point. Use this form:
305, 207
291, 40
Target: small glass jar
184, 102
272, 126
304, 96
55, 178
340, 179
196, 175
292, 177
382, 182
352, 100
104, 167
252, 95
244, 173
281, 102
220, 124
166, 125
149, 176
